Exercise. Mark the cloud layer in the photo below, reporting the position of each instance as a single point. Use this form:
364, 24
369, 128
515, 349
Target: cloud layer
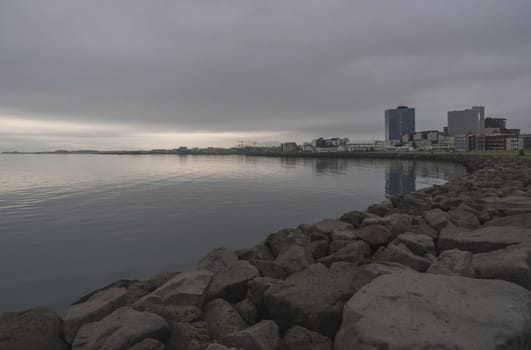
263, 70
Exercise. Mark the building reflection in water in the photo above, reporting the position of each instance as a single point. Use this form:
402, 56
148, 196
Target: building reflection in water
400, 177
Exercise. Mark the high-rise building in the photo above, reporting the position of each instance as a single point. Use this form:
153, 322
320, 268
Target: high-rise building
467, 120
399, 121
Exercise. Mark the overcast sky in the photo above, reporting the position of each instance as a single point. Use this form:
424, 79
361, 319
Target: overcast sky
147, 74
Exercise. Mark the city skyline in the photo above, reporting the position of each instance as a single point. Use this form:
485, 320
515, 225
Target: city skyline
163, 75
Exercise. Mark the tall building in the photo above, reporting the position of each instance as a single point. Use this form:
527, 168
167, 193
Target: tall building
399, 121
467, 120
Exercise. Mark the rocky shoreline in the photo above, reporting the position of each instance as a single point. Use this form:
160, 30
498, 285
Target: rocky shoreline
446, 267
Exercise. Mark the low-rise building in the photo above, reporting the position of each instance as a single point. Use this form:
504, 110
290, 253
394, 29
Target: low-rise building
288, 147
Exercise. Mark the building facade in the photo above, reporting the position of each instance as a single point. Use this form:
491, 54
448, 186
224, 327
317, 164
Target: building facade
399, 121
466, 121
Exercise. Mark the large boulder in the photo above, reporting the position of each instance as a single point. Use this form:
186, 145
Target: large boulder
299, 338
262, 336
222, 319
355, 218
397, 223
291, 249
188, 336
521, 220
355, 252
120, 330
399, 253
328, 226
375, 234
218, 260
171, 313
426, 311
148, 344
260, 251
419, 244
314, 298
485, 239
95, 308
437, 218
186, 288
231, 284
269, 268
37, 328
461, 217
453, 262
509, 264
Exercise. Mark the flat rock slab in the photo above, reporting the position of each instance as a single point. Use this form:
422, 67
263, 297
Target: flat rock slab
425, 311
186, 288
231, 284
454, 262
508, 264
485, 239
95, 308
120, 330
218, 260
521, 220
262, 336
32, 329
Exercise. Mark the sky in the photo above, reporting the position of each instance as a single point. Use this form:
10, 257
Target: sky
129, 74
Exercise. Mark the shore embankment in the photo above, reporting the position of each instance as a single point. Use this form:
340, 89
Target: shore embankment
445, 267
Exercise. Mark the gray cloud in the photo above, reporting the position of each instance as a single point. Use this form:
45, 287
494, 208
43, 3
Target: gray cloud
305, 67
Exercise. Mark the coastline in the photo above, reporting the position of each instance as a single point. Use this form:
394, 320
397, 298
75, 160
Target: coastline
319, 283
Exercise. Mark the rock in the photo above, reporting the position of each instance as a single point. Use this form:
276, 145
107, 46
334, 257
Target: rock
248, 311
231, 284
260, 251
121, 329
375, 235
426, 311
37, 328
291, 249
424, 230
383, 267
218, 260
509, 264
299, 338
415, 203
397, 223
217, 347
454, 262
222, 319
186, 288
305, 228
334, 246
329, 226
261, 336
344, 235
319, 249
188, 336
355, 252
269, 268
418, 244
316, 236
463, 218
95, 308
381, 209
148, 344
171, 313
314, 298
257, 287
355, 218
399, 253
521, 220
437, 218
485, 239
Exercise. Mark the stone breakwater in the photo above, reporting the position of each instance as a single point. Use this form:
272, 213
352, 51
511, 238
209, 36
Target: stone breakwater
446, 267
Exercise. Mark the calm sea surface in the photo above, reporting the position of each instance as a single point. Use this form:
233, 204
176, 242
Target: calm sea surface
70, 224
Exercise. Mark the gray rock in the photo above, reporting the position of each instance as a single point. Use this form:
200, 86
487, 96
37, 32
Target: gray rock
121, 329
399, 253
521, 220
509, 264
437, 218
231, 284
464, 218
454, 262
485, 239
383, 267
381, 209
218, 260
415, 203
314, 298
425, 230
355, 218
222, 319
355, 252
269, 268
95, 308
426, 311
186, 288
260, 251
257, 287
295, 259
248, 311
32, 329
375, 234
334, 246
299, 338
344, 235
291, 249
188, 336
171, 313
148, 344
397, 223
418, 244
261, 336
328, 226
319, 249
316, 236
217, 347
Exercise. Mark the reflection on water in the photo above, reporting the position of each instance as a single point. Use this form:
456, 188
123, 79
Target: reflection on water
72, 223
